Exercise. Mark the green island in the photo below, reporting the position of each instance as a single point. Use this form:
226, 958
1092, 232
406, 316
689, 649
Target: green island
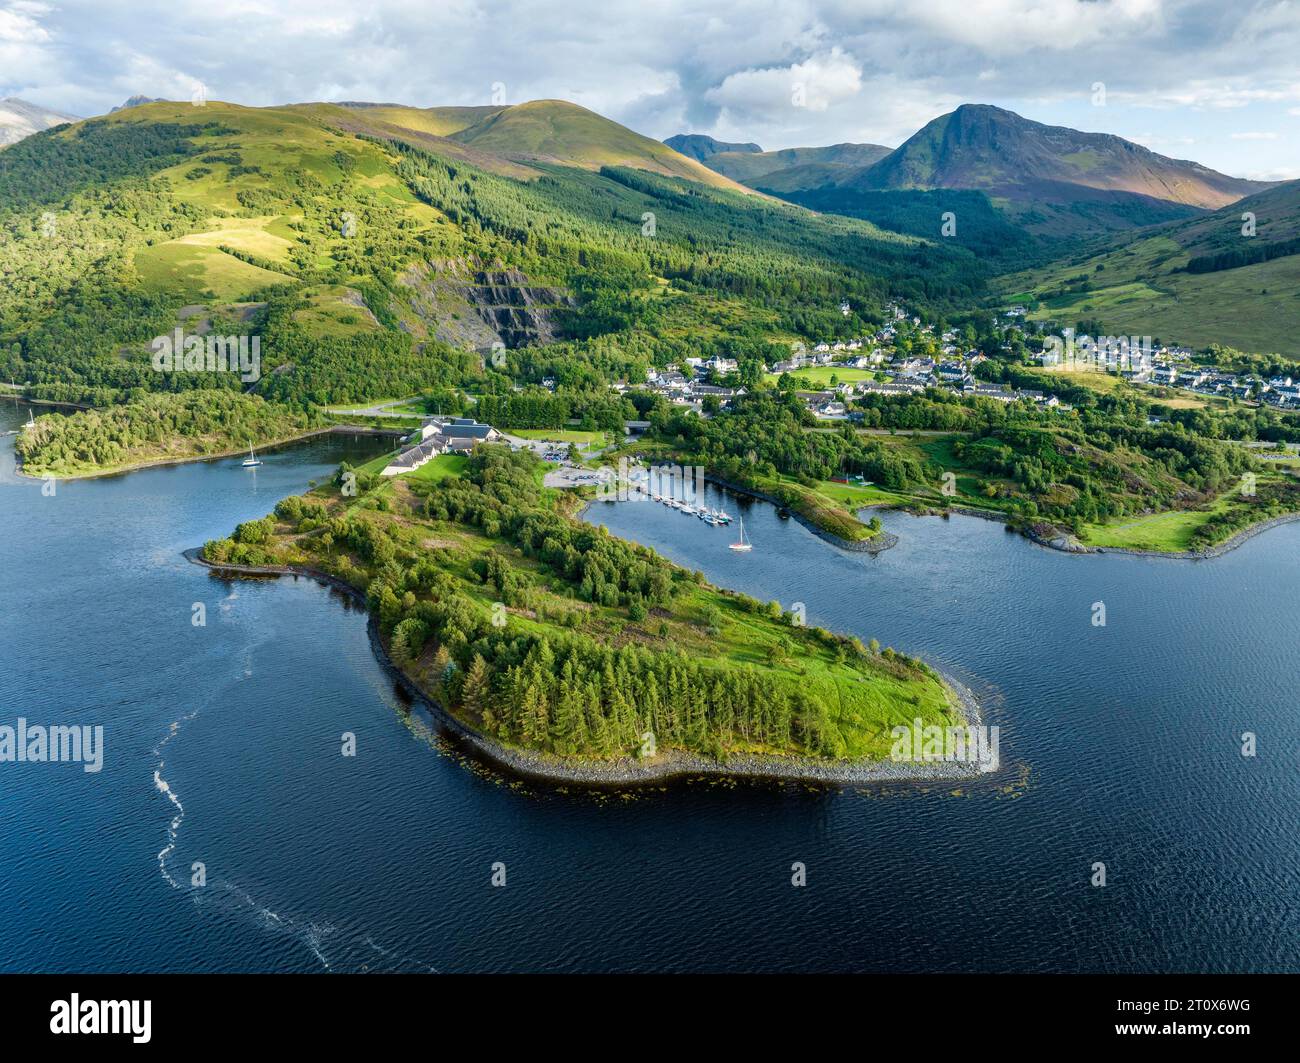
554, 640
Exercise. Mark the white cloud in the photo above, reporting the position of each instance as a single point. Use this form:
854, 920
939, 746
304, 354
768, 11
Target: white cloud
1013, 27
816, 84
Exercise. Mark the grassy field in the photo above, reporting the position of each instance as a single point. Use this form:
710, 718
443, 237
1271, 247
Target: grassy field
561, 435
858, 495
818, 378
1101, 382
335, 312
198, 272
441, 467
1159, 531
377, 465
1141, 290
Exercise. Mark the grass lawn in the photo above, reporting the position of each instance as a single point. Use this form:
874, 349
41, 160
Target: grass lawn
377, 465
819, 377
1182, 403
1160, 531
443, 466
1170, 531
560, 435
860, 496
1093, 380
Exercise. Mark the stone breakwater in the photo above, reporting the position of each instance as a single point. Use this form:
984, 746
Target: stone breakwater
629, 771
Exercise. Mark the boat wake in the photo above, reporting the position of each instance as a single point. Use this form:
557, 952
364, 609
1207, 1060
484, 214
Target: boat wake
351, 950
164, 788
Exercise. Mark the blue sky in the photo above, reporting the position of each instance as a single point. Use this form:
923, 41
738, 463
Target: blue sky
1212, 80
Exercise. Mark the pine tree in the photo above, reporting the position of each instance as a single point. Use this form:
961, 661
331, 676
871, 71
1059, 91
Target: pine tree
475, 692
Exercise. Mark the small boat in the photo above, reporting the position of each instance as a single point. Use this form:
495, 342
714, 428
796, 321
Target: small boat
723, 516
742, 543
250, 462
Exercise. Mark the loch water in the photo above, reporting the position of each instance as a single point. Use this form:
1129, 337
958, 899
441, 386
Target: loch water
1121, 745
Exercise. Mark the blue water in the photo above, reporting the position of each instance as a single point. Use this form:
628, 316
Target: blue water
1121, 744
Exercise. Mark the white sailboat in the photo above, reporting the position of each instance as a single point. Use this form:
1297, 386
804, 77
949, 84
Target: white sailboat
250, 462
742, 543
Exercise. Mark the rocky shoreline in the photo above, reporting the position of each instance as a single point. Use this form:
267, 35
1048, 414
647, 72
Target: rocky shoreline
627, 771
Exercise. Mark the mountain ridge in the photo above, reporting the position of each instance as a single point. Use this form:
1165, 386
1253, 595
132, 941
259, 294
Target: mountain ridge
20, 119
1031, 165
1049, 180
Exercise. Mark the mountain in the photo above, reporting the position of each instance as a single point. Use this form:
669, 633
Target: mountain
778, 172
1053, 180
376, 256
556, 131
137, 101
436, 121
796, 169
510, 139
700, 147
1189, 282
19, 119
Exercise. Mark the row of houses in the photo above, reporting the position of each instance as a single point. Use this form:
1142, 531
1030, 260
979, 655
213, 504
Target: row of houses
833, 405
1280, 391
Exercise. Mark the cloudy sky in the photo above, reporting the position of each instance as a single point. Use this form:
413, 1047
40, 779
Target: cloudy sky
1213, 80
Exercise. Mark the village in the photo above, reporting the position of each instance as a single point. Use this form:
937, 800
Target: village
853, 369
871, 365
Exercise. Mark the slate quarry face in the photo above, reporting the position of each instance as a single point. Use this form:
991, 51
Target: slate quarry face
468, 305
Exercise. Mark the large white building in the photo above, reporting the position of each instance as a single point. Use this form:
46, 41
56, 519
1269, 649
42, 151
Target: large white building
442, 435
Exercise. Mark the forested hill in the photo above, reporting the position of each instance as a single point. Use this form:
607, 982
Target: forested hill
373, 255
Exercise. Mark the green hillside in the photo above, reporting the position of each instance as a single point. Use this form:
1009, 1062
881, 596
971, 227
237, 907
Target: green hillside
377, 260
1187, 283
558, 131
795, 169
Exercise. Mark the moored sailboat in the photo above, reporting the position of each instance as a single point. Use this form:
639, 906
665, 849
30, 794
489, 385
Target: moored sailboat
742, 543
